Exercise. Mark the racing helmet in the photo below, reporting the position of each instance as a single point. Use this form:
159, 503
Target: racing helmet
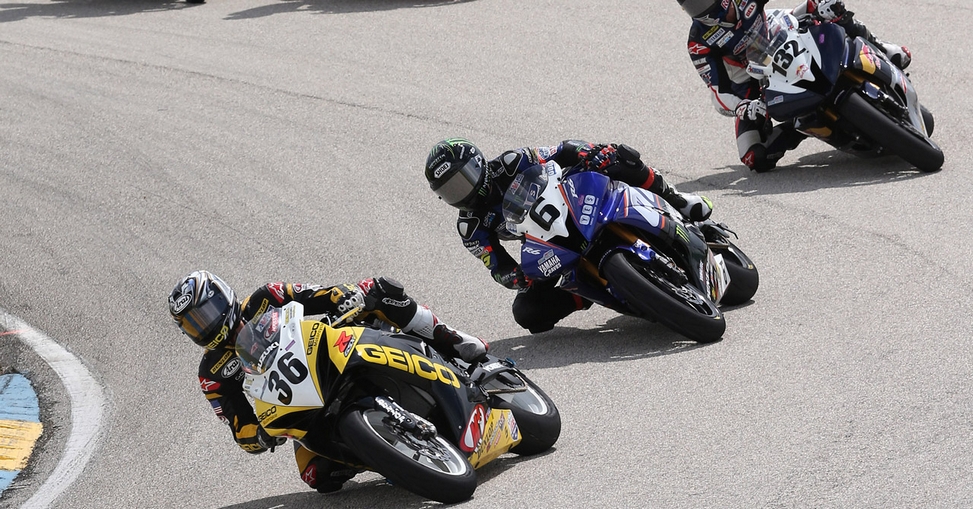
259, 341
707, 11
205, 309
457, 173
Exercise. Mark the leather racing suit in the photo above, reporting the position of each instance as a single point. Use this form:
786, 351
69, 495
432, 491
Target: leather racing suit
221, 376
719, 56
539, 305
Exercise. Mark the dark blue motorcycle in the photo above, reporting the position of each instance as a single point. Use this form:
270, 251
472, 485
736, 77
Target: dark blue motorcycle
625, 248
843, 91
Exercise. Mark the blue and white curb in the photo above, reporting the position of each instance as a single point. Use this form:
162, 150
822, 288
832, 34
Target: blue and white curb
87, 409
20, 426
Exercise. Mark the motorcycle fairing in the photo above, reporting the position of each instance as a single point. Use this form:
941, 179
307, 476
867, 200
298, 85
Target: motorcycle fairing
290, 386
585, 194
340, 343
646, 211
872, 61
542, 260
497, 435
812, 74
404, 359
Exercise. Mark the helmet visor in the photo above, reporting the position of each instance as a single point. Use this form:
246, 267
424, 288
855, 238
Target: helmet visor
461, 184
700, 8
200, 322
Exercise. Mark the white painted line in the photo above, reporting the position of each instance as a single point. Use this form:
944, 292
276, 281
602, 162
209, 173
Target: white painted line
87, 406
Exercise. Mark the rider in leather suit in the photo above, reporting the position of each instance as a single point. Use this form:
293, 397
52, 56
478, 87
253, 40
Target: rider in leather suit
460, 174
205, 309
718, 40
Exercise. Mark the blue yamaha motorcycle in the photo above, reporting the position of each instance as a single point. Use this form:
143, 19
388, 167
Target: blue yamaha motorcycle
627, 249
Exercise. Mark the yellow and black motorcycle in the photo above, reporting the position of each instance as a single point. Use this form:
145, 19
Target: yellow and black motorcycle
385, 401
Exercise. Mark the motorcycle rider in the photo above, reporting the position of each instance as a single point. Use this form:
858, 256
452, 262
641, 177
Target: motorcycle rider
205, 308
460, 174
718, 40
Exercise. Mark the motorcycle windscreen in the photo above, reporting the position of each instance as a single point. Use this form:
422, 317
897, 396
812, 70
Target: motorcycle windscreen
585, 194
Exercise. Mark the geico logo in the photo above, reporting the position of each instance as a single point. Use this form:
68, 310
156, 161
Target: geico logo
269, 412
415, 364
219, 338
312, 338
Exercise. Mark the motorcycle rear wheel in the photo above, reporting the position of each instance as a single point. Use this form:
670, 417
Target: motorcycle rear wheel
683, 309
922, 153
434, 468
537, 418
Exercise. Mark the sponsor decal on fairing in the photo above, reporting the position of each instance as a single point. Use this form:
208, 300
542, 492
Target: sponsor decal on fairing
474, 429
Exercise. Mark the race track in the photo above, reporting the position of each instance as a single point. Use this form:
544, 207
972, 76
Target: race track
271, 140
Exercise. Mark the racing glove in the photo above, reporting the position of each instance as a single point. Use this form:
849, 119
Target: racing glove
347, 297
830, 10
513, 279
601, 157
254, 439
751, 109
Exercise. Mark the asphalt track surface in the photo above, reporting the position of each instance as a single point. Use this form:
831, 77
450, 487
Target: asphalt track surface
283, 140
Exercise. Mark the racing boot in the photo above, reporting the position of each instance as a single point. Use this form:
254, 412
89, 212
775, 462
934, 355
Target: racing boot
320, 473
899, 55
692, 206
445, 339
631, 170
469, 348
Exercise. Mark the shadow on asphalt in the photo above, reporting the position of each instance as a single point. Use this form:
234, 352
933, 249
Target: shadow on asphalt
337, 6
622, 338
377, 493
822, 170
67, 9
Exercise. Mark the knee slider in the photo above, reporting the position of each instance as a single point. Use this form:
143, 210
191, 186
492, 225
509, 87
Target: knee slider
390, 287
628, 155
756, 159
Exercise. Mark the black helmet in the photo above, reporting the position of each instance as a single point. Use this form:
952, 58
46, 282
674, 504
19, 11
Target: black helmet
457, 172
205, 308
704, 8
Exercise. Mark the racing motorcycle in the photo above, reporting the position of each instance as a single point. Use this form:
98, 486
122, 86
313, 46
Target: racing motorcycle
846, 92
385, 401
627, 249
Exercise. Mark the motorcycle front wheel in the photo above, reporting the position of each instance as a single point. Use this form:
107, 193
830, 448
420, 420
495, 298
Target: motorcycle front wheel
432, 468
918, 151
537, 417
744, 278
682, 308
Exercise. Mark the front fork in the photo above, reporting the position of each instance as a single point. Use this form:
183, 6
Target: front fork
404, 420
653, 258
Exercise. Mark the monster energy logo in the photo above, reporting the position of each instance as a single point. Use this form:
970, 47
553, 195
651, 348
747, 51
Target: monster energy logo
681, 233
